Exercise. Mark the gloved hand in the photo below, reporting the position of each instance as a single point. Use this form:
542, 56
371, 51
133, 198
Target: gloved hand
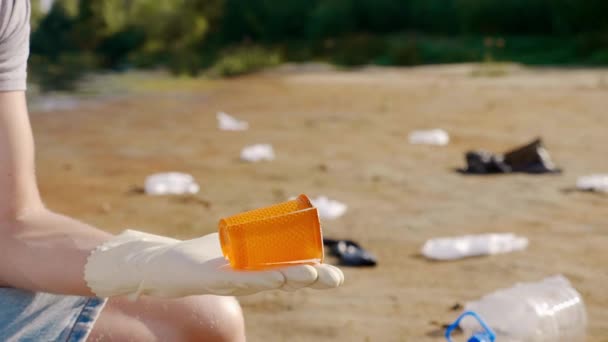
135, 263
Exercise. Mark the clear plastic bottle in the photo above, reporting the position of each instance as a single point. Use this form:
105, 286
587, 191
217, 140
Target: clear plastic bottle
598, 182
472, 245
550, 310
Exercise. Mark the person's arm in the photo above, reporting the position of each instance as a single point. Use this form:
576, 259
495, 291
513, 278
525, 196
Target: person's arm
39, 250
43, 251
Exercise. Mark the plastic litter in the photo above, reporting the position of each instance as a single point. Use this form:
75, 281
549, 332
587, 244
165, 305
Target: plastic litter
226, 122
547, 310
329, 209
437, 137
597, 182
258, 152
486, 335
282, 234
482, 162
349, 253
530, 158
170, 183
453, 248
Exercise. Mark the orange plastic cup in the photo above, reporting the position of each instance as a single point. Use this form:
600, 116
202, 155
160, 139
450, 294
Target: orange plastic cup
285, 233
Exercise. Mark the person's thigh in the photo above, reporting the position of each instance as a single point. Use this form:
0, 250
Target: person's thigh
197, 318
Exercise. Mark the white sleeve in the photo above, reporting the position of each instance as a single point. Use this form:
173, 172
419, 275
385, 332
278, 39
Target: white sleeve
14, 43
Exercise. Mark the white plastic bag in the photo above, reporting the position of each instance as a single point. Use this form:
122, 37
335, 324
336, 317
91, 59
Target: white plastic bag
256, 153
329, 209
437, 137
170, 183
226, 122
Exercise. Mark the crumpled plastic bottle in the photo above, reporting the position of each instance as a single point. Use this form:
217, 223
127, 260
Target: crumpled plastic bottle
550, 310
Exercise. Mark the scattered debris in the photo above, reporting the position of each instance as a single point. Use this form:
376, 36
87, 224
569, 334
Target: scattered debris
547, 310
456, 307
530, 158
226, 122
595, 183
437, 137
136, 190
485, 334
472, 245
329, 209
349, 253
258, 152
170, 183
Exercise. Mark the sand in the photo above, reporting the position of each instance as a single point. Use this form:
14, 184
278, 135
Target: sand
344, 134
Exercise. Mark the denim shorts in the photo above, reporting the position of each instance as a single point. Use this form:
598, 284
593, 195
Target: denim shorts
36, 316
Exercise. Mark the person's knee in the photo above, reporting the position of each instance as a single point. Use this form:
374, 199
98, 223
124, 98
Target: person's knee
196, 318
214, 318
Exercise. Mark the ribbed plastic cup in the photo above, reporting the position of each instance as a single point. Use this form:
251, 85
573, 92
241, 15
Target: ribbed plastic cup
282, 234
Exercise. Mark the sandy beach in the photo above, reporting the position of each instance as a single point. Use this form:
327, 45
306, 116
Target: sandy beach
344, 134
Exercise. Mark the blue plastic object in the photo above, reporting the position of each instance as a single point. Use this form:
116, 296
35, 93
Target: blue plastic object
481, 336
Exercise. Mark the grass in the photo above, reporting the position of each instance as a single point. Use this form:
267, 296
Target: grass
491, 69
244, 60
397, 49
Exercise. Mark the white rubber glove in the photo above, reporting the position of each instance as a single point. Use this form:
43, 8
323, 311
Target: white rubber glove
135, 263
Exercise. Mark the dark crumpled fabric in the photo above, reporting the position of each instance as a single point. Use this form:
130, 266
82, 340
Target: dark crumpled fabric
349, 253
530, 158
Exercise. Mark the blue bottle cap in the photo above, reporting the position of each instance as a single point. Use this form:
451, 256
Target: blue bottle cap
481, 336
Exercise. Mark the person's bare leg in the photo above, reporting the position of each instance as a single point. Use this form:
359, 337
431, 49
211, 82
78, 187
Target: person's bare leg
197, 318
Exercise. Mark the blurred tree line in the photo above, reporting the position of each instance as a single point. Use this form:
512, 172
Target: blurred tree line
236, 36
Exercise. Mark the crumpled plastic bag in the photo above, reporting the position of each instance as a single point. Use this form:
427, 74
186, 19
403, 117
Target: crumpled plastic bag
226, 122
170, 183
257, 153
329, 209
596, 182
437, 137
